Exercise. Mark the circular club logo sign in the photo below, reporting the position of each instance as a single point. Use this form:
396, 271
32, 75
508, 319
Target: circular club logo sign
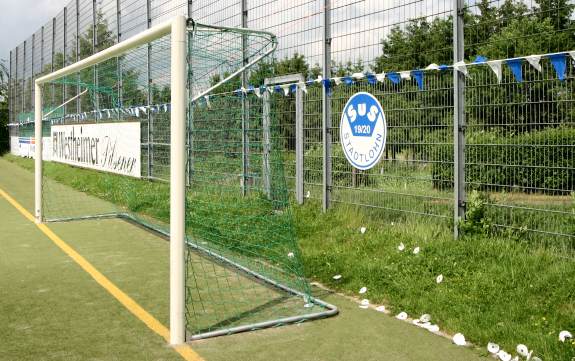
363, 130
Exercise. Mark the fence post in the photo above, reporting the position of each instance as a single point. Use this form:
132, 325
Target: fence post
326, 111
266, 176
64, 61
78, 90
24, 78
32, 87
94, 43
149, 99
245, 104
299, 141
459, 118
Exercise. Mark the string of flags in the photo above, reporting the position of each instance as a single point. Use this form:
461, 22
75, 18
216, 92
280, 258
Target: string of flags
108, 113
558, 60
515, 65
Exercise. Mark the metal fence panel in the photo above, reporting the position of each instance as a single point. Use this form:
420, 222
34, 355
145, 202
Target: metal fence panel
517, 137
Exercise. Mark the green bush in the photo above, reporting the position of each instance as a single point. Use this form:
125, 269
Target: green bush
539, 161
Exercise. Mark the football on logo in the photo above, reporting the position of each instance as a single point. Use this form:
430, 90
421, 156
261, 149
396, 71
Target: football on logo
363, 131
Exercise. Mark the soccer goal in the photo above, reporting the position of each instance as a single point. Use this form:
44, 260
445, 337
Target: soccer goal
153, 131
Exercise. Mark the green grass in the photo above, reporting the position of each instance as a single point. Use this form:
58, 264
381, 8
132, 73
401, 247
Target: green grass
495, 289
54, 311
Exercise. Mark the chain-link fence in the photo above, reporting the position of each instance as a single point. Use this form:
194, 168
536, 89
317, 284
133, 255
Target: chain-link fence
500, 151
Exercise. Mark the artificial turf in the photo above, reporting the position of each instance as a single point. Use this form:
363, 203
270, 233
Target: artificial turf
55, 311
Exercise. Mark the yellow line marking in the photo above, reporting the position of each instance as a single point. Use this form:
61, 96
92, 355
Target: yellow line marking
184, 350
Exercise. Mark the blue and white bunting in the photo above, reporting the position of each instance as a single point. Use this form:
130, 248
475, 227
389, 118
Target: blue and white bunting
480, 59
418, 75
405, 75
534, 60
394, 77
461, 67
371, 79
495, 65
348, 80
516, 66
327, 86
559, 62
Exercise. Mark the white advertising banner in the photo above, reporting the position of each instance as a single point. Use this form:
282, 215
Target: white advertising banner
14, 146
110, 147
26, 147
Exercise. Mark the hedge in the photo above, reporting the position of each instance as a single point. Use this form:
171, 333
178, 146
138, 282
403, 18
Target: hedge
538, 161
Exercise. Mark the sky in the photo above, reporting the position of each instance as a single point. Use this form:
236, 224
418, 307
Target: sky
20, 18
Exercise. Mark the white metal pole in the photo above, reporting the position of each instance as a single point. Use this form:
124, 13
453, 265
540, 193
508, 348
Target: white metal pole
177, 181
38, 152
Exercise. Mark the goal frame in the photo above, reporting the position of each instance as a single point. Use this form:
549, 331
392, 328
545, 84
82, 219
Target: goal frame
177, 28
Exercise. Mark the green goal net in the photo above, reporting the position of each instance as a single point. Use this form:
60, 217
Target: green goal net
107, 155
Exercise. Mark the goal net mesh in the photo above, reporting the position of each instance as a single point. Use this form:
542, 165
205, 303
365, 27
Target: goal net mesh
107, 152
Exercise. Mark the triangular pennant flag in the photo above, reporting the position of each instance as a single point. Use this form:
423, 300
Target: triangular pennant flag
461, 67
516, 68
534, 61
337, 81
319, 79
559, 62
405, 75
257, 92
495, 65
165, 108
572, 54
479, 59
137, 112
371, 79
394, 77
108, 113
251, 89
207, 98
285, 88
144, 110
277, 89
327, 86
303, 87
293, 88
358, 76
348, 80
418, 75
380, 77
432, 66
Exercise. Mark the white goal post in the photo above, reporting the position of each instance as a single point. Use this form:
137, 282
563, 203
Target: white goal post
177, 28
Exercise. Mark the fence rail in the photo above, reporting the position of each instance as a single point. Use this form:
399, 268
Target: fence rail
500, 151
